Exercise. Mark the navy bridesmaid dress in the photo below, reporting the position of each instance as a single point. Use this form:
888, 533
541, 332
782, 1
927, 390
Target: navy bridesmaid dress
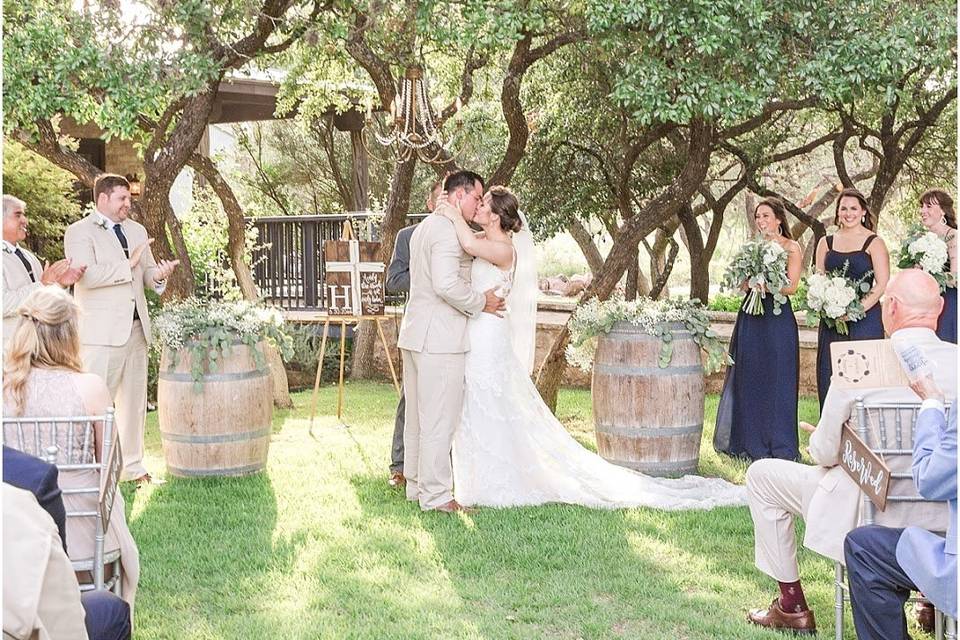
868, 328
757, 416
947, 325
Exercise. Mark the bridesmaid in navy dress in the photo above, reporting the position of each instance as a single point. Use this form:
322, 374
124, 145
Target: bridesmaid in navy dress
856, 244
937, 215
757, 416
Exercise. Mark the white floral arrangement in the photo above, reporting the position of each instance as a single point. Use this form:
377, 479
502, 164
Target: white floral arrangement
209, 328
928, 251
836, 299
595, 317
762, 265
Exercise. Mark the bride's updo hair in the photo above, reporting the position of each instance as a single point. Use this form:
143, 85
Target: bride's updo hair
46, 335
504, 204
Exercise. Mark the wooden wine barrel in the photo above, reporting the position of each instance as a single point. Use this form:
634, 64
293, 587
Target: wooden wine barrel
221, 429
648, 418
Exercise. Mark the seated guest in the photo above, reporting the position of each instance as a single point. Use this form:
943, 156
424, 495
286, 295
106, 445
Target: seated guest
41, 597
885, 564
43, 377
40, 479
823, 494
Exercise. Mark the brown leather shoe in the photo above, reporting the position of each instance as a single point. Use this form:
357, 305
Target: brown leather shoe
923, 612
397, 479
453, 507
801, 624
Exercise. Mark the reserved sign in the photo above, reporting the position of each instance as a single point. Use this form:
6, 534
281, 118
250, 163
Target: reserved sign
866, 468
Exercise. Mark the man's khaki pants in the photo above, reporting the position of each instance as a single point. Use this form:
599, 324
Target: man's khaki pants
124, 369
433, 386
778, 491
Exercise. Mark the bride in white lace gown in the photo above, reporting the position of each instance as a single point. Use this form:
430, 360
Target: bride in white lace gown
510, 450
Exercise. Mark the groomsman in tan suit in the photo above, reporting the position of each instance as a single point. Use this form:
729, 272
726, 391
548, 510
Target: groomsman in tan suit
22, 272
823, 494
115, 325
433, 341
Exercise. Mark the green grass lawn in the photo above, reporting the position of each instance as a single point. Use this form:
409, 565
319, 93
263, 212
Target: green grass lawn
320, 547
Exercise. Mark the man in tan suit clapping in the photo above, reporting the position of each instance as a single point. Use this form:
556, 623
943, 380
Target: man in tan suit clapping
22, 272
115, 327
433, 341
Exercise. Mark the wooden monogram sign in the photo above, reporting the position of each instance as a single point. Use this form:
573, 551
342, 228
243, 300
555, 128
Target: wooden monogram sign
866, 468
354, 280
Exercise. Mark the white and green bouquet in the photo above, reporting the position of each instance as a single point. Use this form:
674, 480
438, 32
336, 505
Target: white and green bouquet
926, 250
761, 265
836, 299
595, 317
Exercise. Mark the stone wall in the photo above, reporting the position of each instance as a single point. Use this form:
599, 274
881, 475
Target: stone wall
550, 323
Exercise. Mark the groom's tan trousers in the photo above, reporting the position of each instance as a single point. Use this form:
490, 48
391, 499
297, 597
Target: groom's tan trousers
433, 386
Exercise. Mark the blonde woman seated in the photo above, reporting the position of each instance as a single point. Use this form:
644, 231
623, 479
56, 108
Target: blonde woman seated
43, 377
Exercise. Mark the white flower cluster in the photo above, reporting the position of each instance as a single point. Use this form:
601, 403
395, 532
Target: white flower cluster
830, 295
594, 317
192, 319
929, 252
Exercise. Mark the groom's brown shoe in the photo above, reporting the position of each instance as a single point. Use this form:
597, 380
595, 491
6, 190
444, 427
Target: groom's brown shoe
801, 624
453, 507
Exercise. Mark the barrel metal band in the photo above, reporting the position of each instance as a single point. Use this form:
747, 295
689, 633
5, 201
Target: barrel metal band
215, 438
680, 466
649, 432
230, 471
176, 376
628, 335
617, 369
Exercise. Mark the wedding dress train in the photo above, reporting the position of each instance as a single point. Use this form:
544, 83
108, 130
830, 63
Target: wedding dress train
510, 450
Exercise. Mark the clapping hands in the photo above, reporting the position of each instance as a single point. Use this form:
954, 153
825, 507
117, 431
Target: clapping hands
62, 273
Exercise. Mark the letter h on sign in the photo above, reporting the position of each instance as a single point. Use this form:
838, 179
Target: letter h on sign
350, 267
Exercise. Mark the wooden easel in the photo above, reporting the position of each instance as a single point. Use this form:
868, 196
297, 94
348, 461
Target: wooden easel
345, 320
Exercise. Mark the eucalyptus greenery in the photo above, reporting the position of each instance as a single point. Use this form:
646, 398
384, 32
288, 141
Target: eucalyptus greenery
655, 317
209, 329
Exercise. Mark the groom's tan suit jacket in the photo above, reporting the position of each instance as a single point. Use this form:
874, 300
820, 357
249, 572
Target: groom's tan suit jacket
433, 341
17, 285
441, 299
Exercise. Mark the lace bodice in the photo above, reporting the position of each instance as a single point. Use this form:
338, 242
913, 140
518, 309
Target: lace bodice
49, 393
485, 276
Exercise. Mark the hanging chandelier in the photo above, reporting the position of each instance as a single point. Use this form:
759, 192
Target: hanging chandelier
413, 127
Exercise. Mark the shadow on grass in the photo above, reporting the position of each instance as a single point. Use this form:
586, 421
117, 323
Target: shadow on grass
551, 571
213, 577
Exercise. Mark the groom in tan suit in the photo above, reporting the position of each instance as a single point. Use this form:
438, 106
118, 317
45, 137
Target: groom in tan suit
115, 324
433, 341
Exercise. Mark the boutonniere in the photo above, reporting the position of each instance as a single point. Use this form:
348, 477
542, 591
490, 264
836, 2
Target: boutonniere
7, 248
101, 223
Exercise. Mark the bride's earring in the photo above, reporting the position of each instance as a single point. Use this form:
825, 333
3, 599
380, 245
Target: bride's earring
943, 220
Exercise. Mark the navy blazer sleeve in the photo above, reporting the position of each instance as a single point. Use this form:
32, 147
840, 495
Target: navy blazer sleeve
398, 273
39, 478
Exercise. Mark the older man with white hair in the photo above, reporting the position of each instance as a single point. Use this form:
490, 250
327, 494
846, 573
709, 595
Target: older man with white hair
22, 272
823, 494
